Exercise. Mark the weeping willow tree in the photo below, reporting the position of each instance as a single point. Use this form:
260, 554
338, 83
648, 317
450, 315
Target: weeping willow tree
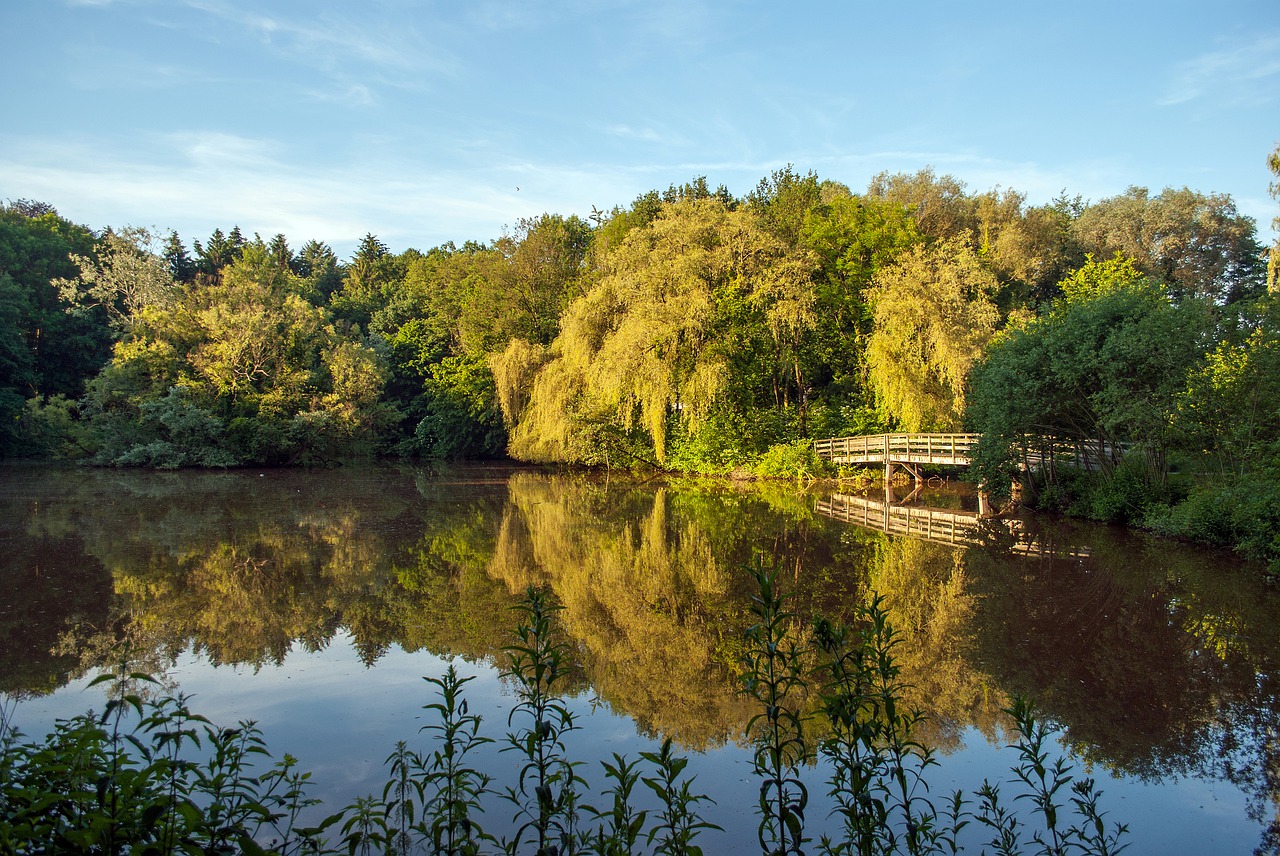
934, 314
658, 337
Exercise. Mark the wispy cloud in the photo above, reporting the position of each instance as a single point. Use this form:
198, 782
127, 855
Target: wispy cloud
626, 132
196, 181
328, 39
347, 95
1236, 72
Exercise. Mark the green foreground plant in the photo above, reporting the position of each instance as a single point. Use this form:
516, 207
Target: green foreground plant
154, 777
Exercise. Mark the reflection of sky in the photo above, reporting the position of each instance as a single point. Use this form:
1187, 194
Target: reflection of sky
341, 720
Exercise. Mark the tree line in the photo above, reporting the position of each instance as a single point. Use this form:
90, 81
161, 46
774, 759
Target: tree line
690, 330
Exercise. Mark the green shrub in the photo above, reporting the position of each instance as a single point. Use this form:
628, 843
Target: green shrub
794, 460
1243, 514
52, 429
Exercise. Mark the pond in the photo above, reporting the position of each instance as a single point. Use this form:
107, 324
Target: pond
314, 602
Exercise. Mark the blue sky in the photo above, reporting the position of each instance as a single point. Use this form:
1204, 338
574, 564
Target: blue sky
424, 122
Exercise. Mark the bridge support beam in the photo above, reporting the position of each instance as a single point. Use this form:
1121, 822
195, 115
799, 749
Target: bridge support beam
914, 469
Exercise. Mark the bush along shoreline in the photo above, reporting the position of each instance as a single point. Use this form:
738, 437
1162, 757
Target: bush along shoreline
153, 776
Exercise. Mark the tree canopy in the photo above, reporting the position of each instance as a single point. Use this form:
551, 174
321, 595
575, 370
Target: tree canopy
690, 329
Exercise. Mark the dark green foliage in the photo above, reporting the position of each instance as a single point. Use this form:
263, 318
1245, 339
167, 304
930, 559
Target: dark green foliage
679, 823
219, 252
44, 350
453, 790
125, 781
462, 417
181, 266
170, 433
1103, 367
1241, 513
623, 824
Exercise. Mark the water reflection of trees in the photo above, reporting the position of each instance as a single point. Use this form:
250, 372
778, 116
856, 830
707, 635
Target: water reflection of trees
1157, 661
655, 591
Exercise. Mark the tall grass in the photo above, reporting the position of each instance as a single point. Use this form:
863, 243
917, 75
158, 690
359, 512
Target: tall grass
153, 777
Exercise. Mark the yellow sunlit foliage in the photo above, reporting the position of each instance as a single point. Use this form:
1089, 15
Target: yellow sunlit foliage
644, 343
935, 312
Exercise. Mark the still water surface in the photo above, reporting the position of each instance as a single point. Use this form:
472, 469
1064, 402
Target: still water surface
314, 602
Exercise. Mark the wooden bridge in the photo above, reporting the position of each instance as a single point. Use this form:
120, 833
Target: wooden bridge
909, 451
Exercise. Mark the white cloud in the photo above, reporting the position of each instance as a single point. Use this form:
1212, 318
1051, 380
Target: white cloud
196, 181
1235, 73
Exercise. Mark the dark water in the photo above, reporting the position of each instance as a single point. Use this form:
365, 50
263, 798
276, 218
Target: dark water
314, 602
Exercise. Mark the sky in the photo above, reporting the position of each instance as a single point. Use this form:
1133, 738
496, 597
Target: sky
427, 122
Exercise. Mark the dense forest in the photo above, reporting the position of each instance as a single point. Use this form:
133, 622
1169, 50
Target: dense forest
691, 331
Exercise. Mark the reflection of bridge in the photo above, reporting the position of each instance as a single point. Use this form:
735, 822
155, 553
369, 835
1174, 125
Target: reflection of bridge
910, 451
941, 525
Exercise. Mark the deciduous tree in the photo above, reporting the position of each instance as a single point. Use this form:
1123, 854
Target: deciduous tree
935, 312
1198, 245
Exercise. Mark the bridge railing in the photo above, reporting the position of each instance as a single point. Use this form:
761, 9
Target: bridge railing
883, 447
1036, 452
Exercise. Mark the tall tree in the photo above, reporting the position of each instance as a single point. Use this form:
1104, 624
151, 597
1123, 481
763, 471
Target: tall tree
64, 350
940, 205
128, 275
1107, 364
217, 253
318, 266
367, 283
281, 254
935, 312
668, 330
522, 286
1273, 257
239, 370
853, 239
181, 267
1198, 245
782, 201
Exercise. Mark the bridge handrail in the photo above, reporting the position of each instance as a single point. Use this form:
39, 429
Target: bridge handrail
876, 447
868, 445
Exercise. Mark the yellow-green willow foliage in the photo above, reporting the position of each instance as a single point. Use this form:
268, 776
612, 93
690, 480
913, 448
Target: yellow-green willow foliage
927, 592
647, 600
655, 335
935, 312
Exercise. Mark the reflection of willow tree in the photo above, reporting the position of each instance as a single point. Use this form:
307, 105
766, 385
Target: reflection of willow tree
655, 591
928, 595
1158, 662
